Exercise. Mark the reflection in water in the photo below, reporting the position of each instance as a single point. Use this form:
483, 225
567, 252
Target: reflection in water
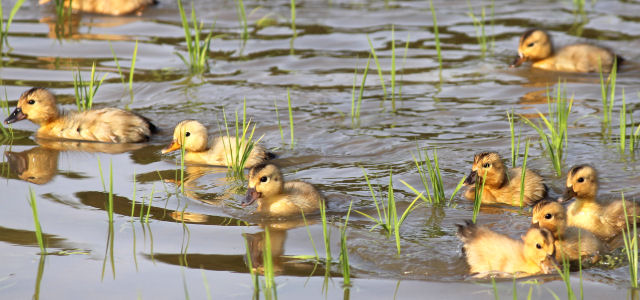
36, 289
69, 28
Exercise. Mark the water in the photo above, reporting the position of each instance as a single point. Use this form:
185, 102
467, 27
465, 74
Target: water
460, 110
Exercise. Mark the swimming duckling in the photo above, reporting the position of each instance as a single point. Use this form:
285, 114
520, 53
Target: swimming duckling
107, 7
222, 152
536, 46
279, 198
110, 125
568, 239
502, 185
605, 220
488, 251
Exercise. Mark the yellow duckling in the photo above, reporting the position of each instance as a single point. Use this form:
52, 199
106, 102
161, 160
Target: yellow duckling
536, 46
502, 185
605, 220
279, 198
222, 152
488, 251
571, 243
110, 125
107, 7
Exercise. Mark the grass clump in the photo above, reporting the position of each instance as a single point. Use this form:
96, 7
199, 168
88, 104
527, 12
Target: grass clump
197, 50
478, 25
608, 92
86, 91
388, 218
429, 171
394, 95
4, 27
240, 145
556, 125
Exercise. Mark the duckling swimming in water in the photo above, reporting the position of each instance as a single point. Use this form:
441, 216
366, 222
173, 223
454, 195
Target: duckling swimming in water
571, 243
536, 46
278, 198
488, 251
604, 219
502, 185
107, 7
222, 152
109, 125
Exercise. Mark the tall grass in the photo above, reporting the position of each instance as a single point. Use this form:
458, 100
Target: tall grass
344, 252
515, 141
608, 88
269, 270
197, 50
375, 59
634, 136
109, 204
478, 25
293, 18
86, 91
388, 218
240, 150
36, 221
630, 238
477, 201
523, 173
275, 103
254, 275
242, 19
556, 125
429, 172
326, 234
7, 132
290, 117
131, 68
356, 104
4, 27
436, 34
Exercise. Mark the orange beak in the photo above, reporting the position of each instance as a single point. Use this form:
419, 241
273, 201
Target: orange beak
172, 147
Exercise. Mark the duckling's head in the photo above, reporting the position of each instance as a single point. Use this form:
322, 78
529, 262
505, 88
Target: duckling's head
265, 180
535, 44
550, 215
192, 133
582, 183
38, 105
539, 248
488, 163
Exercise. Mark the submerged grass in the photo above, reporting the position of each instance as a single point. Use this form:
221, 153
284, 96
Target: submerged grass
356, 104
556, 140
86, 91
36, 221
429, 171
197, 50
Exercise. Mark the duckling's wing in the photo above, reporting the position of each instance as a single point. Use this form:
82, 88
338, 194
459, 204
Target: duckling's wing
614, 213
303, 195
111, 125
534, 187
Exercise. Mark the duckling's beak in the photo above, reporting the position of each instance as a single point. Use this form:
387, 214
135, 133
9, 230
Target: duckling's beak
15, 116
518, 61
550, 263
568, 194
252, 196
471, 178
172, 147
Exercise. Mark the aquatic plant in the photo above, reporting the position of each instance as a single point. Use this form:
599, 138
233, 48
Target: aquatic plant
293, 18
523, 173
242, 19
197, 50
556, 124
243, 144
432, 179
36, 221
269, 270
7, 132
478, 25
634, 136
388, 219
326, 234
436, 34
344, 252
515, 142
4, 27
355, 105
630, 238
254, 275
131, 68
86, 91
608, 88
290, 117
477, 201
375, 59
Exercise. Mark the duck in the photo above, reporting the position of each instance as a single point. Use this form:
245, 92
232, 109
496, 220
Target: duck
277, 198
488, 252
108, 125
536, 46
221, 152
572, 243
107, 7
605, 219
502, 185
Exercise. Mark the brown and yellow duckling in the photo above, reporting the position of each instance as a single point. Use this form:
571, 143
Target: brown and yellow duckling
278, 198
502, 185
605, 219
536, 46
109, 125
488, 251
107, 7
572, 243
221, 152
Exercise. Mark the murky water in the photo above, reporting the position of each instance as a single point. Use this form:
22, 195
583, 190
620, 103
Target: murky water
460, 110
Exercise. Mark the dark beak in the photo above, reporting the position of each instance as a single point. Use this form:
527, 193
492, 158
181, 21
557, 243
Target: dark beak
517, 62
568, 194
471, 178
17, 163
15, 116
252, 196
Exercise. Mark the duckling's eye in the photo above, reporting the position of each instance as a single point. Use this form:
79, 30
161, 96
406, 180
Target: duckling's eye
187, 133
31, 101
264, 179
486, 165
581, 179
548, 216
531, 44
538, 246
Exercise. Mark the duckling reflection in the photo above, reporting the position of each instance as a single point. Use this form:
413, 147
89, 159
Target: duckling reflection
107, 7
256, 242
37, 165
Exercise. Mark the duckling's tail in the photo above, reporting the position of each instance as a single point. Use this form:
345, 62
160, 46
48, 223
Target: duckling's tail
467, 231
270, 155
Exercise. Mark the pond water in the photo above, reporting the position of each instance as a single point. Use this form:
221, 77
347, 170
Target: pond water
195, 243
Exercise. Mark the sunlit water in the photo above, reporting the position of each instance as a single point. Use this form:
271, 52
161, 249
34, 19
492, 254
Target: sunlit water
460, 111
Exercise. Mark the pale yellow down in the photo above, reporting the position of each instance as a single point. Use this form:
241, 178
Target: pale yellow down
222, 151
276, 197
572, 243
111, 125
489, 252
106, 7
502, 185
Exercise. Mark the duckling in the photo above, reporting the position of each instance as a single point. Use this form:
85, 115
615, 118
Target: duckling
488, 251
110, 125
107, 7
604, 219
568, 239
222, 152
37, 165
502, 185
536, 46
279, 198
